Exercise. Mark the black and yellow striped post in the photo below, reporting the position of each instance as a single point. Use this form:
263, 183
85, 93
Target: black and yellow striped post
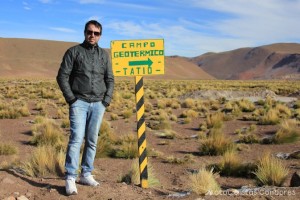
141, 130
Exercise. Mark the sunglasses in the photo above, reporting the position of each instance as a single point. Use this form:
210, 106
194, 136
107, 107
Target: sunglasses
91, 32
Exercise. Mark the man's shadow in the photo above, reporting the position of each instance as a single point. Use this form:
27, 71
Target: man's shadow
59, 189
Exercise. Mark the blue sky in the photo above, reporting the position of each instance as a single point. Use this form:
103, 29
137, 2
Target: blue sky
188, 27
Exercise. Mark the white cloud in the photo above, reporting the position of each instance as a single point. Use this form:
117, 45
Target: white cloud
178, 39
260, 21
61, 29
26, 5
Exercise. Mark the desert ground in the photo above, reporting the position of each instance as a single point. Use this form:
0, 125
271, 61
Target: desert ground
182, 118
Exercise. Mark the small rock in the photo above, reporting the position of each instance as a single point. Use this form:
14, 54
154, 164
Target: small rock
283, 155
295, 155
28, 194
16, 194
22, 197
179, 194
295, 180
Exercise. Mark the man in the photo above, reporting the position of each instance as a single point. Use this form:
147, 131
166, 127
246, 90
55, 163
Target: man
86, 80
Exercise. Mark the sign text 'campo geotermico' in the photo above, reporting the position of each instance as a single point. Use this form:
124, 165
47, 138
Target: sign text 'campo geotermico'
137, 57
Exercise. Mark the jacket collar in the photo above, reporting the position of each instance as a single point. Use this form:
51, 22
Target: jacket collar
87, 45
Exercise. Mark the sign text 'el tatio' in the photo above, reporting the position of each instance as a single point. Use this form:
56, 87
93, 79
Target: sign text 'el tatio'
137, 57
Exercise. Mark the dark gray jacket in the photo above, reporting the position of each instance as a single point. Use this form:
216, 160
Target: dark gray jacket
86, 76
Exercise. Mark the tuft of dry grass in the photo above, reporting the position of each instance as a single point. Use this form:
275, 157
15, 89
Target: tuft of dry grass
270, 171
133, 176
231, 165
127, 148
288, 132
45, 160
216, 143
270, 118
204, 182
215, 120
48, 133
174, 160
107, 139
283, 111
188, 103
246, 105
7, 149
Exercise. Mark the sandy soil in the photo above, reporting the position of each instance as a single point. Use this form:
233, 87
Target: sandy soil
174, 178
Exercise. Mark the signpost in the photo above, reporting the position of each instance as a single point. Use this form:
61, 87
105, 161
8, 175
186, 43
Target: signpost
138, 58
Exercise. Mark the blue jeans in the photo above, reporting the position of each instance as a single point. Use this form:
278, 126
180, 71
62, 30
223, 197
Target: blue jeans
85, 122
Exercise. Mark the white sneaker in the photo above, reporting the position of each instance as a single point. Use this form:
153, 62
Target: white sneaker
71, 186
89, 180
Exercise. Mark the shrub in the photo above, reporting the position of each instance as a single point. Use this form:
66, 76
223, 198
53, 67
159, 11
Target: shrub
288, 132
45, 160
246, 105
167, 134
231, 165
106, 140
7, 149
249, 139
215, 120
270, 118
127, 113
48, 133
133, 176
128, 147
189, 113
113, 116
65, 123
216, 143
204, 182
296, 104
283, 111
188, 103
270, 171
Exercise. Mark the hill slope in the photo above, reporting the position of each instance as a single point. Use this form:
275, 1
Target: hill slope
30, 58
264, 62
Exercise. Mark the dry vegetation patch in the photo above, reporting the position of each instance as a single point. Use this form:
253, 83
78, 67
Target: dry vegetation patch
189, 123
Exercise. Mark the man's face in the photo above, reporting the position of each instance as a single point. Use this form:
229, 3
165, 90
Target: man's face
92, 34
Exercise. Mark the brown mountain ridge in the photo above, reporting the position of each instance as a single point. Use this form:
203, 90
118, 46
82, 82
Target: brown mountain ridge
275, 61
29, 58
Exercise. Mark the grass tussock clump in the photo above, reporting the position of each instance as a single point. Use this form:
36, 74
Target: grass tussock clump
270, 171
174, 160
204, 182
126, 147
289, 132
47, 132
216, 143
133, 176
270, 118
231, 165
7, 149
106, 141
45, 160
215, 120
246, 105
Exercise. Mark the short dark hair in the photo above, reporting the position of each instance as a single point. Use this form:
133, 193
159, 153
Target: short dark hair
95, 23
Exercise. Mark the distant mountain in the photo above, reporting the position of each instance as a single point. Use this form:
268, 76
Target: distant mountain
275, 61
28, 58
